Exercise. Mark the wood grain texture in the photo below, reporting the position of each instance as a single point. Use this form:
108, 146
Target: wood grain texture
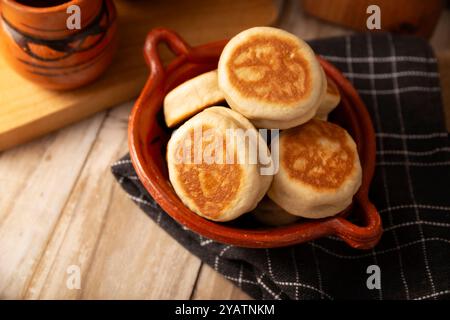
117, 248
59, 205
28, 111
213, 285
36, 182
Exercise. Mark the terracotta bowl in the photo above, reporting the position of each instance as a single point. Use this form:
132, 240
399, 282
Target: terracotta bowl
360, 224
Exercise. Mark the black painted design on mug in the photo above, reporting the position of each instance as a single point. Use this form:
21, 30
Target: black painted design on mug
67, 46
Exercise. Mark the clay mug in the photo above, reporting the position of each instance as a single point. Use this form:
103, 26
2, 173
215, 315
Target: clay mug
38, 42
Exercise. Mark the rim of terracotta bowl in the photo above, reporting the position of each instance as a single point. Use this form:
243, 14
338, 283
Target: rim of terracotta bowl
191, 61
29, 8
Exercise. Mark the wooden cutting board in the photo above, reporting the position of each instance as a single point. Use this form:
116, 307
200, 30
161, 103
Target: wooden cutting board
28, 111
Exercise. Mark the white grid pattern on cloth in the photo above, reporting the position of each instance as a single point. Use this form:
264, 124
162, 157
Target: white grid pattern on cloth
217, 259
297, 284
303, 285
413, 163
269, 264
317, 265
413, 153
379, 59
415, 205
414, 223
139, 200
399, 90
335, 238
264, 285
205, 242
348, 51
297, 274
399, 108
365, 255
411, 136
241, 280
121, 162
158, 218
403, 225
383, 171
241, 273
399, 74
282, 283
433, 295
133, 177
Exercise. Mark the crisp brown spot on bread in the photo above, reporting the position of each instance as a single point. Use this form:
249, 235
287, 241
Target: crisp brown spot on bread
271, 69
317, 154
212, 186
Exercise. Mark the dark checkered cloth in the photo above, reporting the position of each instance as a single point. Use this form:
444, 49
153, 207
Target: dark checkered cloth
397, 78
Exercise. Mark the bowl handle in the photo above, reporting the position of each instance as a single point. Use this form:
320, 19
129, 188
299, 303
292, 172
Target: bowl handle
365, 237
173, 41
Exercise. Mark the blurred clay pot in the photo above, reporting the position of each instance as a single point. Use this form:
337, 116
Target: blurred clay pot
417, 17
37, 43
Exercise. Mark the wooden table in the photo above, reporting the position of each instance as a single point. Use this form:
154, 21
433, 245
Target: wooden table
61, 207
